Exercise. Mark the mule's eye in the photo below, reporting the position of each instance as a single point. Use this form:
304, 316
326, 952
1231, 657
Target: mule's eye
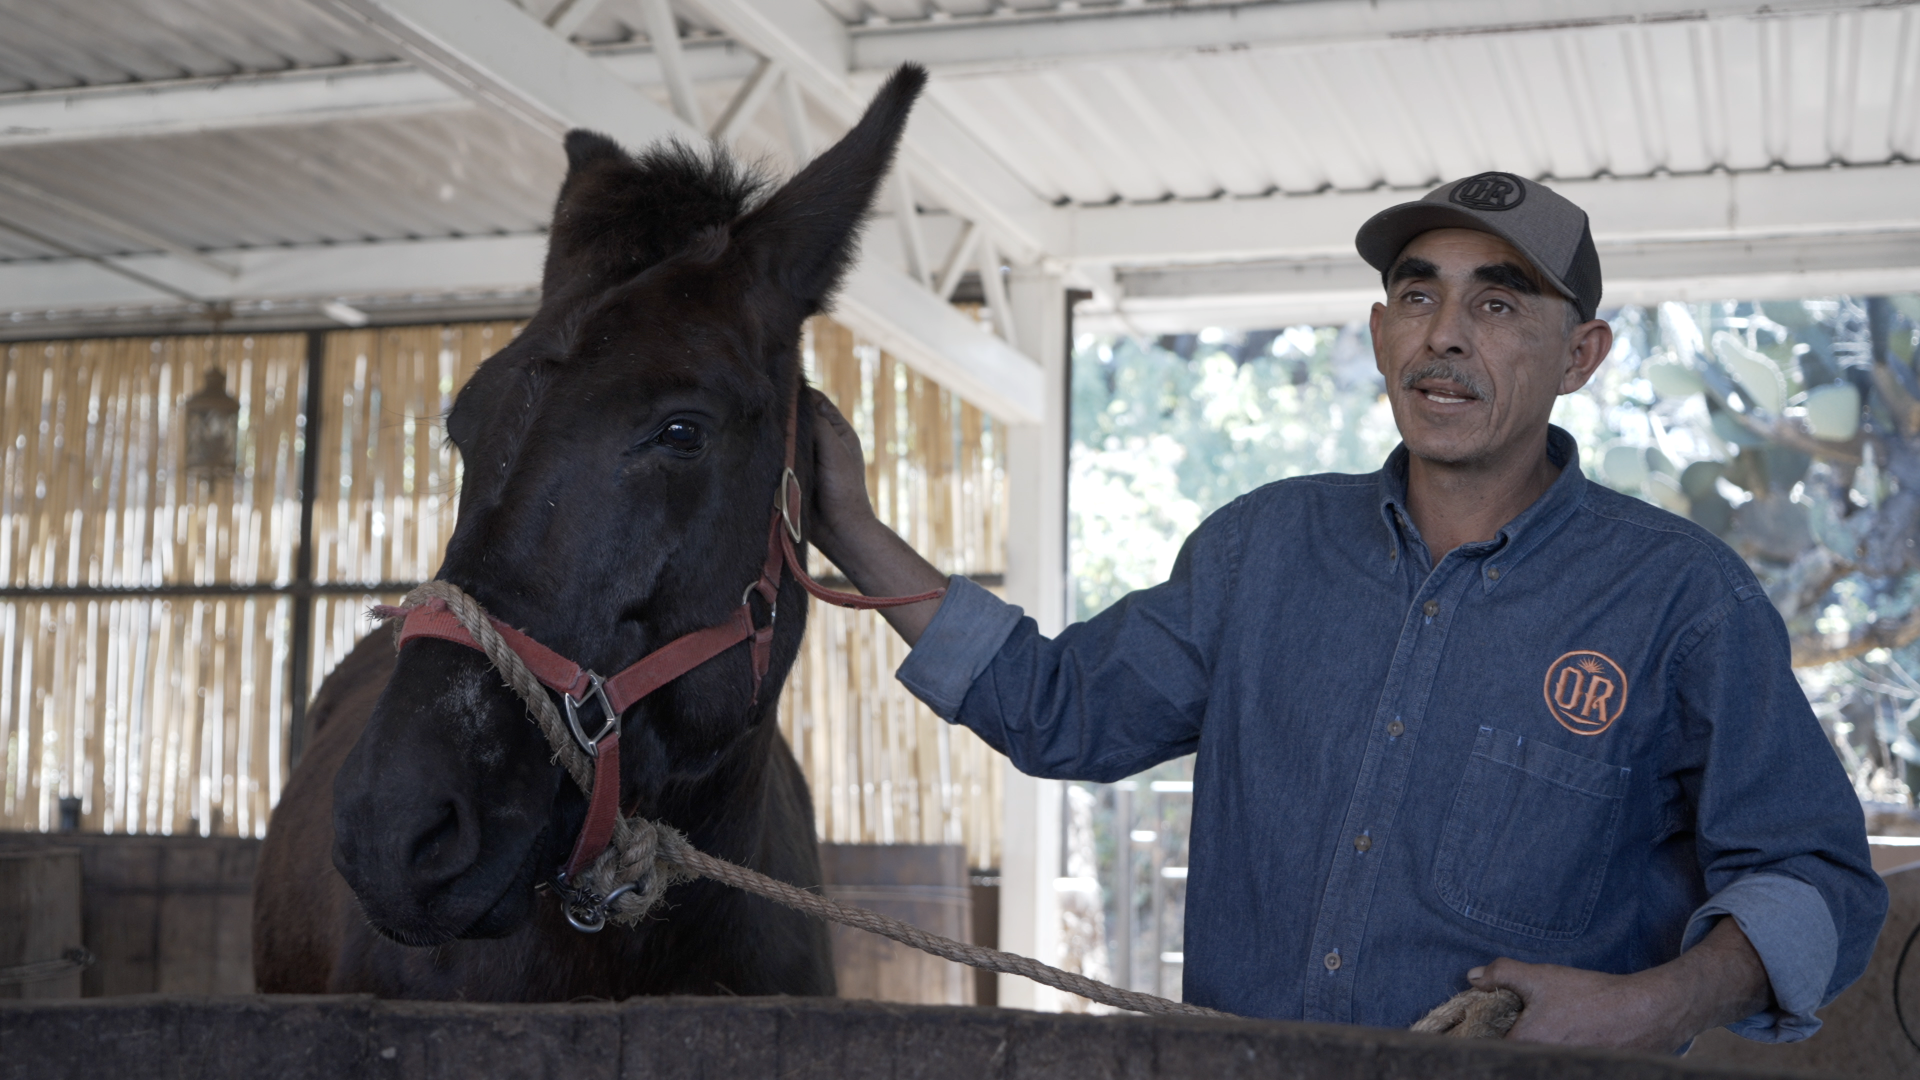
684, 437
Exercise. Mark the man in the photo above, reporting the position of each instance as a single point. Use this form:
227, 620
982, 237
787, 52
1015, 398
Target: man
1470, 720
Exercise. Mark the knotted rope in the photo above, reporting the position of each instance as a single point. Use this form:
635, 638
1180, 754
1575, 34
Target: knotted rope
646, 857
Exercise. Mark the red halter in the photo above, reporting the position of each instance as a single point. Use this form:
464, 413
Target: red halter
577, 685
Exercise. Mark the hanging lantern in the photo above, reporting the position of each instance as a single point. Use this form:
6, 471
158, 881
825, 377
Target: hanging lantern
213, 430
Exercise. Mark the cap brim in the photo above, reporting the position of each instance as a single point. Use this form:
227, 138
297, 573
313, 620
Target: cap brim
1387, 233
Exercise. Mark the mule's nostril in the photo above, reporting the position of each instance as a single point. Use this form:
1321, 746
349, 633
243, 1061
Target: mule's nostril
438, 844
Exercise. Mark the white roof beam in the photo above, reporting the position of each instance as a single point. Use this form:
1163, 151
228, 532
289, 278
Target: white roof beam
1700, 206
569, 15
952, 167
793, 119
747, 101
129, 275
1154, 299
497, 54
187, 106
955, 264
126, 230
879, 303
663, 33
902, 317
1044, 39
373, 91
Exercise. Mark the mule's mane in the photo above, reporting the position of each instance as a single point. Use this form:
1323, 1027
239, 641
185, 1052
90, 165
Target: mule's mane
619, 214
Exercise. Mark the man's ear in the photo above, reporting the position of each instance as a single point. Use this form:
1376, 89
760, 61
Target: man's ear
1374, 319
1587, 346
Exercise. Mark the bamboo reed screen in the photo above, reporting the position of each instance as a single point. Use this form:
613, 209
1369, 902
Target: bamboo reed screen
389, 481
166, 714
169, 714
883, 768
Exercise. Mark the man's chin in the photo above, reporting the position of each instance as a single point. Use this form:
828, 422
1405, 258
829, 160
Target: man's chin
1449, 449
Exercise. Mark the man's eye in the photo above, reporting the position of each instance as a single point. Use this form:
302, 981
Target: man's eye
683, 436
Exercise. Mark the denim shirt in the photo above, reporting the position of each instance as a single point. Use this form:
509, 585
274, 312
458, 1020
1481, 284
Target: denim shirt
1577, 743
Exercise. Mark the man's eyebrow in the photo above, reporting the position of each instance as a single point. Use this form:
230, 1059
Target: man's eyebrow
1412, 268
1508, 276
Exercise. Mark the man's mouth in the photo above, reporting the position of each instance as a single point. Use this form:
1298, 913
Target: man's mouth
1444, 383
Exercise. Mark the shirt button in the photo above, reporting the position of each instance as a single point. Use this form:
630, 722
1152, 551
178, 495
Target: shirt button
1332, 960
1432, 608
1362, 842
1493, 574
1396, 729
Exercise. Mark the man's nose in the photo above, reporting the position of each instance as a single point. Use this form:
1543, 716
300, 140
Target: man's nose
1450, 332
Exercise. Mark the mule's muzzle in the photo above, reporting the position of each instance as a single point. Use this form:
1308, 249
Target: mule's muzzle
440, 812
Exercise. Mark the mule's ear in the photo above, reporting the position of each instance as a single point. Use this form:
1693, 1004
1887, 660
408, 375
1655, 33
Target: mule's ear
804, 237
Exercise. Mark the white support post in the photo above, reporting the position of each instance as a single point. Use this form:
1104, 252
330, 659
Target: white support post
1037, 581
747, 101
663, 32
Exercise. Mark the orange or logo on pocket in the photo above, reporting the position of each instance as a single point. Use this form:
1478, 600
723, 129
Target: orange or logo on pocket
1587, 691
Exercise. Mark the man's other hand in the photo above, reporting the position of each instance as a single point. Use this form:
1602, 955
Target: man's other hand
1716, 982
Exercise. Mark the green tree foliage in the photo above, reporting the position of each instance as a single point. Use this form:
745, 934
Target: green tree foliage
1789, 428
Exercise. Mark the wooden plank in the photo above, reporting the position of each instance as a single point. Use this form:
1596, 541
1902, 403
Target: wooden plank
39, 918
922, 884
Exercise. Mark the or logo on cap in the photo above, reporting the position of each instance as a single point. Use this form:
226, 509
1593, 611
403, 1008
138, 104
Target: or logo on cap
1586, 691
1490, 191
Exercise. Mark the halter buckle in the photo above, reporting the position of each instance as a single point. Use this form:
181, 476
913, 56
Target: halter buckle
790, 506
596, 689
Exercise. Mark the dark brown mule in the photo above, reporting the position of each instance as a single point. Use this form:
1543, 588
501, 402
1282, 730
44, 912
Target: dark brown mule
621, 455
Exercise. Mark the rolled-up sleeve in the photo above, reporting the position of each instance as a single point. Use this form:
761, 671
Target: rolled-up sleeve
957, 646
1788, 924
1105, 699
1778, 831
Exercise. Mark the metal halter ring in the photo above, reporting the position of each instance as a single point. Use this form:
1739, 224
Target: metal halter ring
586, 911
790, 506
596, 688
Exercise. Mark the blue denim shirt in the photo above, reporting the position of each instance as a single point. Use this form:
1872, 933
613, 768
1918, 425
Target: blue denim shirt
1576, 743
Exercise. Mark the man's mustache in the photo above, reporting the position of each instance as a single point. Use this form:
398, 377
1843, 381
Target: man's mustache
1441, 369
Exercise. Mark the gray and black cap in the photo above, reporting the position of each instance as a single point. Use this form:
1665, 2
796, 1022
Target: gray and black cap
1550, 231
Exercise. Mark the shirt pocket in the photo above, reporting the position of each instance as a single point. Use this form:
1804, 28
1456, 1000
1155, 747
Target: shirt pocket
1526, 843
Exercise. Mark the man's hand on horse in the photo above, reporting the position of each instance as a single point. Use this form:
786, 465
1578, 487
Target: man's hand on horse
844, 528
1718, 981
839, 506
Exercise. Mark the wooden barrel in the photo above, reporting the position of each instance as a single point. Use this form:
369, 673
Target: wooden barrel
922, 884
40, 945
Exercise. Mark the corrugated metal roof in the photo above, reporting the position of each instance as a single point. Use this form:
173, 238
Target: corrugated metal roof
104, 42
1621, 100
456, 174
1614, 100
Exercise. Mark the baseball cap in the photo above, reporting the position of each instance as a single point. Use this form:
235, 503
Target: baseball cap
1549, 230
